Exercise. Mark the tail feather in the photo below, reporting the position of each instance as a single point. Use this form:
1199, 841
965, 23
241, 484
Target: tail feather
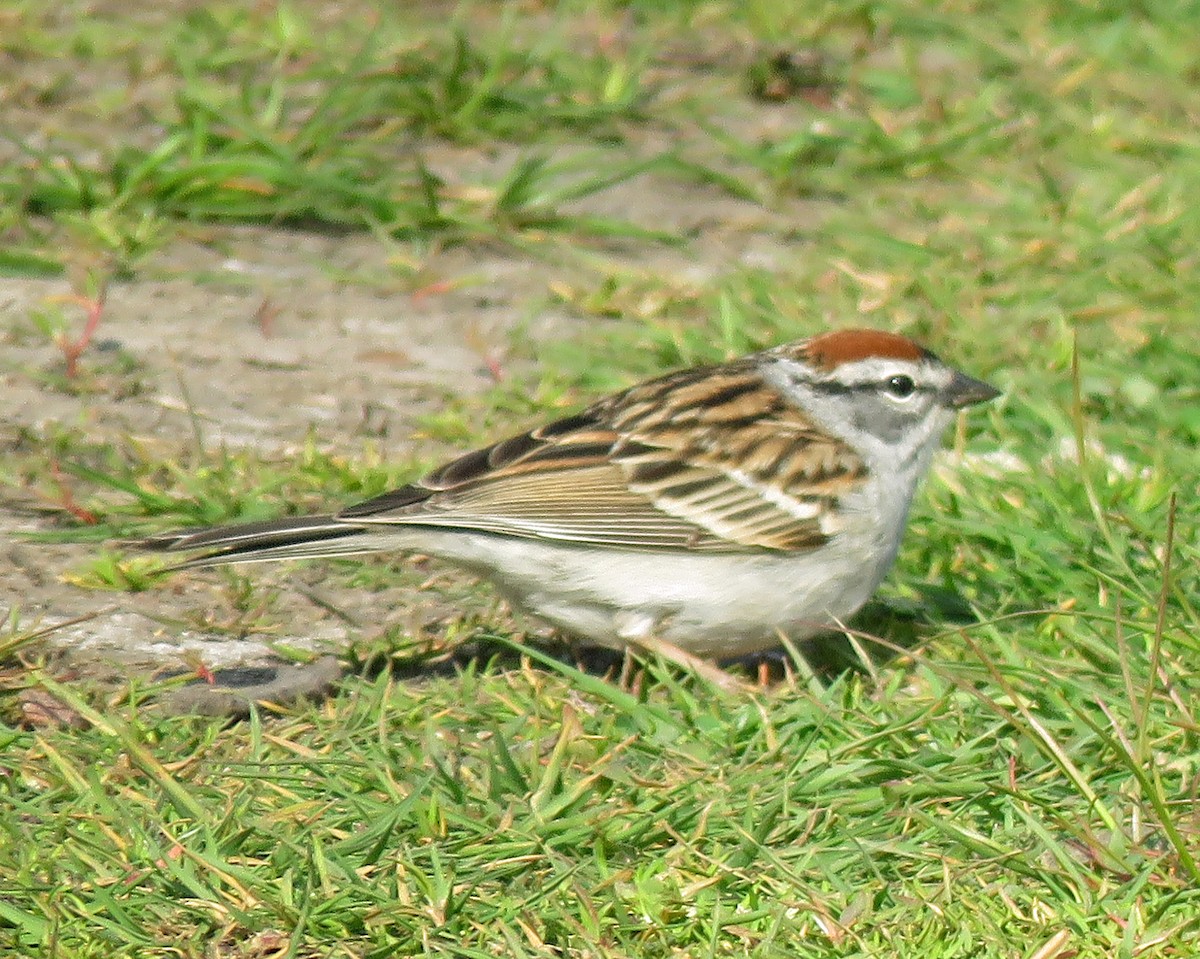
302, 537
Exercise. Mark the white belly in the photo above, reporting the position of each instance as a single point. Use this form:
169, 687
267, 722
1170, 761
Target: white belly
711, 605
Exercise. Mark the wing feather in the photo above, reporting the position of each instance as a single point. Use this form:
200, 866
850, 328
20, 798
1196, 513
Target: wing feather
712, 460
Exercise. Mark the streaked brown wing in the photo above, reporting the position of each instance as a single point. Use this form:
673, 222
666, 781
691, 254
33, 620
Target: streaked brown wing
707, 460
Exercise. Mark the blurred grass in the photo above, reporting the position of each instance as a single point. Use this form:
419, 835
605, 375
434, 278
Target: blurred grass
1011, 184
268, 119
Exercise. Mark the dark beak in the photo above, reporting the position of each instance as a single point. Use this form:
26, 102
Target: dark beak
967, 391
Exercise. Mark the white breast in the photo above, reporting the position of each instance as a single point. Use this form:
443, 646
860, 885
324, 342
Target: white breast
709, 604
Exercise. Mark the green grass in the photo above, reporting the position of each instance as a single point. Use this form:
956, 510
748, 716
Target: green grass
1012, 184
269, 119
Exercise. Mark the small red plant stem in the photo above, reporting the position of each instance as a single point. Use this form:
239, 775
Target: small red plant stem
66, 498
73, 349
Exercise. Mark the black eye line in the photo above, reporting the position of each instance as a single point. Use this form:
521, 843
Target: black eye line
836, 389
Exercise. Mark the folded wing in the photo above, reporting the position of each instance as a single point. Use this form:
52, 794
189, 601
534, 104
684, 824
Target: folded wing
700, 460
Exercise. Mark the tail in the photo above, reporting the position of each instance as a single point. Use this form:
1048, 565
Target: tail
300, 537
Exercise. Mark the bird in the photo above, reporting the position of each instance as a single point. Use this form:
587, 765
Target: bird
712, 510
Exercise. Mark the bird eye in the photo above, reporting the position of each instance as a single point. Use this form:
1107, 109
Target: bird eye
900, 386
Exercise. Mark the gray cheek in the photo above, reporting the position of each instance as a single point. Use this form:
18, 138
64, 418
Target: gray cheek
884, 420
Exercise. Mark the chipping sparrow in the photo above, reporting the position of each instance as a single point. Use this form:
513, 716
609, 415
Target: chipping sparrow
711, 509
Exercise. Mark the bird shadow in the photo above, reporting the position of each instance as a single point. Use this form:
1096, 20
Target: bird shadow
878, 634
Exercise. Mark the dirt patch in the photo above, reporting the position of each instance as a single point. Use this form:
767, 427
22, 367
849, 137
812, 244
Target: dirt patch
263, 339
349, 355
